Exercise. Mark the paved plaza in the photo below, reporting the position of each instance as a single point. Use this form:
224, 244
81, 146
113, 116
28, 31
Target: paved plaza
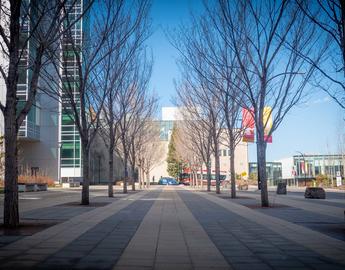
176, 228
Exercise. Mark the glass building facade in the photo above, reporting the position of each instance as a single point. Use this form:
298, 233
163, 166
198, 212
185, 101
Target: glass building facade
30, 127
70, 146
273, 171
165, 129
309, 166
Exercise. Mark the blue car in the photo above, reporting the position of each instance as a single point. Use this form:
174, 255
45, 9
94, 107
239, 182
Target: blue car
167, 181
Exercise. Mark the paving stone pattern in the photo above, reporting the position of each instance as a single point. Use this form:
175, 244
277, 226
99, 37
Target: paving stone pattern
101, 246
171, 238
247, 245
7, 239
329, 225
56, 212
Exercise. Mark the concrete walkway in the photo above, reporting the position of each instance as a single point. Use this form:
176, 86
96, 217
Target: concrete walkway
173, 228
171, 238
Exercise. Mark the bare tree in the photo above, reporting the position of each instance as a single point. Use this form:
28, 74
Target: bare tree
197, 136
83, 88
150, 151
329, 18
37, 23
196, 93
190, 147
130, 98
132, 29
204, 42
143, 114
198, 99
261, 35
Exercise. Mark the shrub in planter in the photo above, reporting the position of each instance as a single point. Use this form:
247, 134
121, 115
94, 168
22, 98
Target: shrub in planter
28, 182
322, 180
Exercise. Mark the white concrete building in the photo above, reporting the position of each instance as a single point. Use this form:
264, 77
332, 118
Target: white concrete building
173, 114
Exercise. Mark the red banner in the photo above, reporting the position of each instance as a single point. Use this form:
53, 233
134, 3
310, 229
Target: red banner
248, 125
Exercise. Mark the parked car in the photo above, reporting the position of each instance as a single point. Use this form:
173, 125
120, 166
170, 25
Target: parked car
167, 181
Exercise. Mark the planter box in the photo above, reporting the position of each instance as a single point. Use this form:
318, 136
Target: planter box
281, 188
314, 193
21, 188
41, 187
32, 187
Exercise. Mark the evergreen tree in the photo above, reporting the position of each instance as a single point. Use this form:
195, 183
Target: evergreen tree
174, 162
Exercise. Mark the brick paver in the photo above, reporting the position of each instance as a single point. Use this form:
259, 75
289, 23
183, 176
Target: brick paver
171, 238
298, 245
101, 246
172, 228
30, 251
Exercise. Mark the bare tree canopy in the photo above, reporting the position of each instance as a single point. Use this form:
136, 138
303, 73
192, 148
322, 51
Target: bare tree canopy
329, 18
267, 38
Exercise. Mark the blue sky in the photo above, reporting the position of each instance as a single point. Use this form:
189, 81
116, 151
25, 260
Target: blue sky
312, 127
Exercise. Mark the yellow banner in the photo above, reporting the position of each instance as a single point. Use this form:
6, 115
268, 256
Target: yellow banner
267, 119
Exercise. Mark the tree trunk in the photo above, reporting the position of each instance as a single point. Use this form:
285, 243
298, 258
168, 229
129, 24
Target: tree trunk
139, 177
143, 177
133, 176
232, 172
201, 178
11, 213
85, 200
208, 168
125, 180
261, 158
147, 179
111, 173
217, 166
193, 179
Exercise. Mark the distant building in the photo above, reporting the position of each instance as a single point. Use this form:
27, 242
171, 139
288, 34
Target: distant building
303, 168
273, 171
171, 115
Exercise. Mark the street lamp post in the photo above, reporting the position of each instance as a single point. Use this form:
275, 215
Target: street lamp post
305, 173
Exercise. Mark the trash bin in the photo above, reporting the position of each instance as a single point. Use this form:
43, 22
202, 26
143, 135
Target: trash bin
281, 188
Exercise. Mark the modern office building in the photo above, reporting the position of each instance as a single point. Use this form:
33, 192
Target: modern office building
273, 171
38, 133
49, 142
70, 157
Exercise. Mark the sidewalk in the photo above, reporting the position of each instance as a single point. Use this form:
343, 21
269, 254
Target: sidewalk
173, 228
